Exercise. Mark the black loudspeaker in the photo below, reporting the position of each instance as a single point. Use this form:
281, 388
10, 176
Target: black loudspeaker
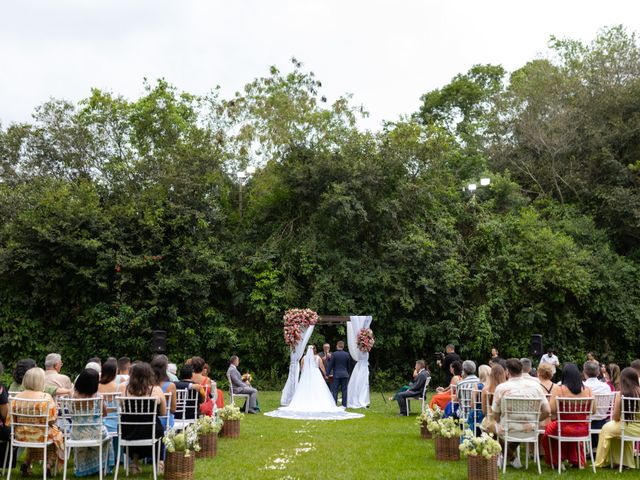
159, 341
536, 348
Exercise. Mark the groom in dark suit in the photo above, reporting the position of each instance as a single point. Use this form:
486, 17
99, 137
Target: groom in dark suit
339, 365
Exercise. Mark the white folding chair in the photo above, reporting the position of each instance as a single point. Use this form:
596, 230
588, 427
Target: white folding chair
140, 413
246, 396
421, 398
110, 401
519, 421
466, 394
167, 416
83, 428
629, 415
186, 408
604, 410
573, 411
31, 416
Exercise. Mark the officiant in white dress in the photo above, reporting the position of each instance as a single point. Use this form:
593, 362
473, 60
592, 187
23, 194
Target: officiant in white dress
312, 399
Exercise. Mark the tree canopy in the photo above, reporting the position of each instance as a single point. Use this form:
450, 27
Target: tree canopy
119, 217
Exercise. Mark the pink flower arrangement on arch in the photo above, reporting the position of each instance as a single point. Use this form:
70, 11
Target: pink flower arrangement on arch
295, 321
365, 340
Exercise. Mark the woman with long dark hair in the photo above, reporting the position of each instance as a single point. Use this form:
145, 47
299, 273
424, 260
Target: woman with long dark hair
87, 459
142, 383
609, 443
159, 366
571, 387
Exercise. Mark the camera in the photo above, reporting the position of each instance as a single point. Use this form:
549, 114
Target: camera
439, 356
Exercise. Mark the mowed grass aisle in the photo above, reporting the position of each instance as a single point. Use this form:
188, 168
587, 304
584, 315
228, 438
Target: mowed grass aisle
381, 445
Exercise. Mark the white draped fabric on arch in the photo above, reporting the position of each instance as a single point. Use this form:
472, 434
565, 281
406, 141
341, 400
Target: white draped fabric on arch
294, 367
358, 390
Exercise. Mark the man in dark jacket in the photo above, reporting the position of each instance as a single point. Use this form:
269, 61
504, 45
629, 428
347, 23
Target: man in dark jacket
416, 389
339, 366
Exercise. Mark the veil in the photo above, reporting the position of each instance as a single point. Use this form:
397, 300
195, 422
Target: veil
309, 361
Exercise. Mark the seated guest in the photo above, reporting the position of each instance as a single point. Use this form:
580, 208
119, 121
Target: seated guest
609, 444
527, 369
468, 377
142, 384
159, 365
53, 365
591, 357
613, 376
590, 370
572, 387
33, 389
200, 376
518, 387
636, 366
108, 384
238, 385
124, 364
87, 459
21, 369
444, 394
545, 374
414, 374
5, 431
94, 366
415, 388
172, 372
186, 383
497, 376
476, 416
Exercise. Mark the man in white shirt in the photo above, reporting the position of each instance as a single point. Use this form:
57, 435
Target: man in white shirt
598, 419
516, 386
551, 359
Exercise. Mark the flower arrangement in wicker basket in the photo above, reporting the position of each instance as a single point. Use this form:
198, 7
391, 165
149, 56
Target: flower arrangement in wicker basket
482, 454
180, 445
208, 428
231, 416
447, 433
429, 415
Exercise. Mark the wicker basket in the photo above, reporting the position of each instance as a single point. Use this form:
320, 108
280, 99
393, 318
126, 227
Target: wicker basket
447, 448
179, 467
424, 432
231, 429
480, 468
208, 445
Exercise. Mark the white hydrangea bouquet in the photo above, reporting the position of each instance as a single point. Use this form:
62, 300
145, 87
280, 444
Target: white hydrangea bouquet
445, 427
429, 415
230, 412
182, 440
207, 425
484, 445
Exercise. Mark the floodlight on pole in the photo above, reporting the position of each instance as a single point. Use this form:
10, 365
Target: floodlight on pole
485, 181
472, 187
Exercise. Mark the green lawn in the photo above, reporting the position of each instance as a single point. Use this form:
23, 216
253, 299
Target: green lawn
381, 445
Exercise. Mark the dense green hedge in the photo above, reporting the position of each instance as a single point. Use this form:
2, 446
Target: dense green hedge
120, 217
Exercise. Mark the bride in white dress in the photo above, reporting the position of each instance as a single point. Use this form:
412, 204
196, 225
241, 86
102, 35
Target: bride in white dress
312, 399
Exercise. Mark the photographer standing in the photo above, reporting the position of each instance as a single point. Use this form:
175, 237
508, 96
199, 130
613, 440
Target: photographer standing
446, 362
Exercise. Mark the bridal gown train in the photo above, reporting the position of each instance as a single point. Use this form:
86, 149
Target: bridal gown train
312, 399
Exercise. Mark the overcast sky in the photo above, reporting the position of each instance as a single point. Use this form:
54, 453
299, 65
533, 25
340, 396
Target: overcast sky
386, 53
